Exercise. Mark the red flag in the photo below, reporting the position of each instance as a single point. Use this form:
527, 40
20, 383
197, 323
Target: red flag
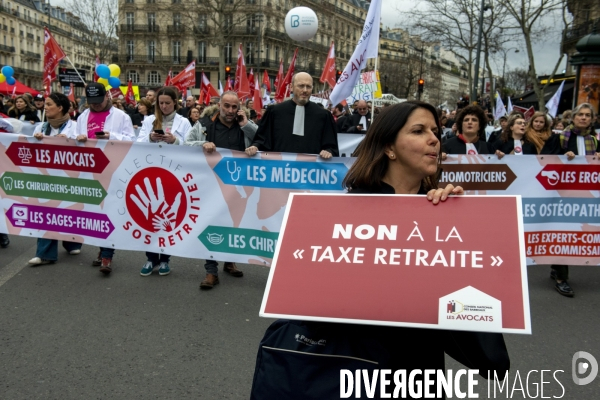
169, 78
251, 83
328, 74
130, 96
283, 88
201, 98
52, 56
71, 95
279, 78
266, 81
228, 84
207, 89
97, 63
186, 78
241, 86
257, 104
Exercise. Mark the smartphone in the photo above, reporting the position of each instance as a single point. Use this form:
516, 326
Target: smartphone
239, 118
159, 131
99, 133
360, 127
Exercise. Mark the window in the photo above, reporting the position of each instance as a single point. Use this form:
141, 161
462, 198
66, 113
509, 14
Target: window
277, 55
228, 22
129, 1
133, 76
252, 23
267, 52
151, 21
151, 50
153, 78
129, 19
227, 50
202, 25
249, 53
130, 50
176, 51
202, 52
176, 19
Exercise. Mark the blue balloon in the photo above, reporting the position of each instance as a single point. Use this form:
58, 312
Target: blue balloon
8, 71
114, 82
102, 71
10, 80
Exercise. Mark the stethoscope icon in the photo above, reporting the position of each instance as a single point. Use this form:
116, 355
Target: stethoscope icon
236, 170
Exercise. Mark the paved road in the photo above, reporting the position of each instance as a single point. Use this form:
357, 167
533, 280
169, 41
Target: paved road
67, 332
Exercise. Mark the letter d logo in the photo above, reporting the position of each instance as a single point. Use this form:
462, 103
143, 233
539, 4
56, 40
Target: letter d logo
583, 367
295, 21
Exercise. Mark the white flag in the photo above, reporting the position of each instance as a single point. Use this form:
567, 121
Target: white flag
367, 47
552, 104
500, 110
509, 106
220, 88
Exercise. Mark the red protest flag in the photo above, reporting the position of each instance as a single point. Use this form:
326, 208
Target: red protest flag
228, 84
186, 78
328, 74
279, 78
241, 86
257, 104
283, 89
130, 96
251, 83
71, 94
52, 56
169, 78
266, 81
207, 89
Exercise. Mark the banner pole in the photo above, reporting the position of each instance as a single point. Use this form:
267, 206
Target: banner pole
77, 72
373, 103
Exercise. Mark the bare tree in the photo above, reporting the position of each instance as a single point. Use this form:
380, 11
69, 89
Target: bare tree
100, 18
527, 15
516, 81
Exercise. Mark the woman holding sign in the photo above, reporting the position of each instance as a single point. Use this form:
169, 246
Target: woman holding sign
59, 124
471, 123
538, 130
400, 154
576, 139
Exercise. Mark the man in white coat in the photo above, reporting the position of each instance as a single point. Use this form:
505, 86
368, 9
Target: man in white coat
102, 121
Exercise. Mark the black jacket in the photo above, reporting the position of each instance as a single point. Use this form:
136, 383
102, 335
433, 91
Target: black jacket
352, 122
29, 115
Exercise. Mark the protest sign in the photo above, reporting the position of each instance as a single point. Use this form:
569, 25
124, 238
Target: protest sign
427, 266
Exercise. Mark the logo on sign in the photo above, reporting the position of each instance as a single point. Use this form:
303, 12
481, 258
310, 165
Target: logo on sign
20, 215
582, 368
215, 238
308, 341
471, 152
455, 307
518, 150
25, 155
553, 177
295, 21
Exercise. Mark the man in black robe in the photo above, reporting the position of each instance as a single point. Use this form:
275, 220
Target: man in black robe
297, 125
359, 122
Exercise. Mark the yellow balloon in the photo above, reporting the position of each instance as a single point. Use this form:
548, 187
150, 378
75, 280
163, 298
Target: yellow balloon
115, 71
103, 81
2, 78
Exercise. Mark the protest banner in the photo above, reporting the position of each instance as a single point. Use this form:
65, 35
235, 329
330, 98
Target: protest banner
452, 275
366, 88
238, 193
66, 76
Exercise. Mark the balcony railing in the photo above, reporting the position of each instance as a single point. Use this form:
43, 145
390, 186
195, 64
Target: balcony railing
201, 30
176, 29
30, 54
139, 28
580, 30
9, 49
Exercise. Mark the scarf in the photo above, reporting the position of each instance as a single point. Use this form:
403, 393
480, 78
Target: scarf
590, 141
56, 123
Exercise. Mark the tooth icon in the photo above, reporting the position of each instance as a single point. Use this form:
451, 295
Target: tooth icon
8, 183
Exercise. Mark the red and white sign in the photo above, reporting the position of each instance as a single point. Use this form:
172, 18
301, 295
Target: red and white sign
569, 177
428, 267
52, 56
186, 78
527, 112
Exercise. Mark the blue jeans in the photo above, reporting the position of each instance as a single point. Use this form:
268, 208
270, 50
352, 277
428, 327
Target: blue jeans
106, 252
47, 249
156, 258
212, 267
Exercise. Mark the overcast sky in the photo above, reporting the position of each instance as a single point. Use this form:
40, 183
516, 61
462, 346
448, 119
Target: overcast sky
545, 57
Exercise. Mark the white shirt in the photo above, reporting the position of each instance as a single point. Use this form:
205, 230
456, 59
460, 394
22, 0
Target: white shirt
180, 128
118, 124
70, 130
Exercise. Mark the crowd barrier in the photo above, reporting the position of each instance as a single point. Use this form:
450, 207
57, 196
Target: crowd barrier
229, 207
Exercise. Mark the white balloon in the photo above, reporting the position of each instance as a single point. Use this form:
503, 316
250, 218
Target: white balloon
301, 23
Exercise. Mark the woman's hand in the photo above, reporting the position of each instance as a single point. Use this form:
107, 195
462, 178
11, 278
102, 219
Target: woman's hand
38, 136
168, 137
209, 147
570, 155
61, 135
32, 122
82, 138
499, 154
444, 156
435, 195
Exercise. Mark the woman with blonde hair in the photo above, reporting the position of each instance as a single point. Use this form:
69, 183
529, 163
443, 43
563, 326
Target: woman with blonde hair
514, 139
23, 110
538, 130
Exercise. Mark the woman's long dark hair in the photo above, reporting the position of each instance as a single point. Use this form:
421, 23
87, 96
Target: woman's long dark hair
164, 91
507, 131
372, 163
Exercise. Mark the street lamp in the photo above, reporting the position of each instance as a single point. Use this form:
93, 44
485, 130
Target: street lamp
484, 7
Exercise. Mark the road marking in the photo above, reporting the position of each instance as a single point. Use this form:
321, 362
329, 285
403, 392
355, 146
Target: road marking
16, 265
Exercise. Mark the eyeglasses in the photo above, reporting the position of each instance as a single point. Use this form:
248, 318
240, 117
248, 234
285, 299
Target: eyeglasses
520, 123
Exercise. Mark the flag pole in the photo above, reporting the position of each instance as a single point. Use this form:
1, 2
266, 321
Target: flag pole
373, 103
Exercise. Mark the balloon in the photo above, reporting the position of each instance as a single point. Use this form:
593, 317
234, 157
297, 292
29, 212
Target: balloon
102, 71
301, 23
2, 78
103, 81
114, 82
115, 71
11, 81
8, 71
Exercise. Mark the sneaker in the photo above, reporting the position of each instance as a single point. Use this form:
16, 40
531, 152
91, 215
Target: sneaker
75, 252
232, 270
98, 261
553, 274
40, 261
564, 289
105, 266
164, 269
209, 282
4, 240
147, 269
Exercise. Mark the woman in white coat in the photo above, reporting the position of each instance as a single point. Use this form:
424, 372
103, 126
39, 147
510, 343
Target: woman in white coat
165, 126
